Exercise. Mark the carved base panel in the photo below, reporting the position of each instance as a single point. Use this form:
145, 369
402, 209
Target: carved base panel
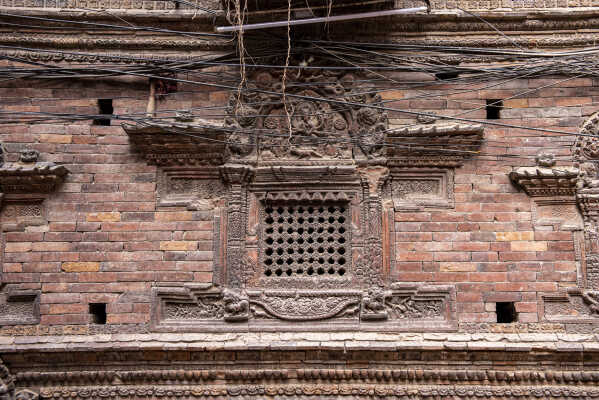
401, 308
575, 306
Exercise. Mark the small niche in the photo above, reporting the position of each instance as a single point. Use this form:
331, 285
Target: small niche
506, 312
104, 107
97, 312
494, 107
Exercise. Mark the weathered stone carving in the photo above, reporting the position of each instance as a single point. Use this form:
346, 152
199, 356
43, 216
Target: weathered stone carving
546, 180
7, 383
17, 215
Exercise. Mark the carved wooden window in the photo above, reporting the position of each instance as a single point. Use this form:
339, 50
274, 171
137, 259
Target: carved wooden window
305, 240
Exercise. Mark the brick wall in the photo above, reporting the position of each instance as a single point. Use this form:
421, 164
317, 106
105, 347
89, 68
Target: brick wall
107, 241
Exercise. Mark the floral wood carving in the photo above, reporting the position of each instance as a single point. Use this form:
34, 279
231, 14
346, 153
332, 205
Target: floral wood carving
299, 126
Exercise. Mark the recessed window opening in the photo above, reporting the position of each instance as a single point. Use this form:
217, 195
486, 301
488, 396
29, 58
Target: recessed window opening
494, 107
506, 312
104, 107
98, 313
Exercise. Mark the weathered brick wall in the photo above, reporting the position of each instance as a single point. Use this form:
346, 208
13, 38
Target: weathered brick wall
107, 241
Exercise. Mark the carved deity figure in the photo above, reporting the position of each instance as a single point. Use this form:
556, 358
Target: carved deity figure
29, 155
544, 159
592, 300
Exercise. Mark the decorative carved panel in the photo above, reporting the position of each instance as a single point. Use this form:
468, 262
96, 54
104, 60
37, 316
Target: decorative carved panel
198, 189
420, 188
17, 215
19, 307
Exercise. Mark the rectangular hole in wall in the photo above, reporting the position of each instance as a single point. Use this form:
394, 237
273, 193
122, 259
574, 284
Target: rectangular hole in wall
494, 107
98, 313
104, 107
506, 312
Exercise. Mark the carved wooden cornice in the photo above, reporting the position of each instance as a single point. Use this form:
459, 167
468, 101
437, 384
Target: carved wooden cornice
30, 176
539, 181
179, 142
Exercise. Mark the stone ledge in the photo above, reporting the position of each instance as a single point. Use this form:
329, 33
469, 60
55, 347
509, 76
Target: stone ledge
346, 341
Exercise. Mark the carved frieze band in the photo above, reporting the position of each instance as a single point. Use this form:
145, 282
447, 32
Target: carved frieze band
207, 307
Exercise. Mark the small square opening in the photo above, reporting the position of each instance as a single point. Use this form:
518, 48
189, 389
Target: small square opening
98, 313
506, 312
494, 107
104, 107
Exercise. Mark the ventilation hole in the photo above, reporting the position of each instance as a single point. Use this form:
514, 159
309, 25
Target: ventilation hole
320, 220
289, 272
299, 271
310, 231
444, 76
290, 241
280, 220
289, 251
268, 261
331, 271
268, 252
341, 261
311, 221
321, 210
310, 271
341, 240
320, 250
341, 220
269, 231
330, 250
331, 260
300, 210
269, 240
300, 231
289, 231
290, 211
280, 229
341, 230
268, 272
280, 261
494, 107
310, 240
506, 312
311, 260
341, 250
268, 210
289, 261
331, 239
331, 209
105, 108
279, 272
98, 313
321, 260
310, 250
300, 220
280, 240
320, 271
341, 210
332, 230
300, 250
300, 260
320, 240
300, 241
290, 220
341, 271
280, 210
320, 229
310, 210
279, 251
331, 220
270, 220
